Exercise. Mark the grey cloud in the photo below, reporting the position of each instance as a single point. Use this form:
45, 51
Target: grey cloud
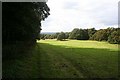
106, 14
70, 5
98, 14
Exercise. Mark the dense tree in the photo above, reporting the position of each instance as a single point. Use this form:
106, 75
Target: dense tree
42, 36
74, 33
109, 31
22, 20
86, 34
79, 34
56, 34
110, 34
114, 37
82, 35
52, 36
61, 36
67, 34
91, 31
47, 36
103, 34
100, 35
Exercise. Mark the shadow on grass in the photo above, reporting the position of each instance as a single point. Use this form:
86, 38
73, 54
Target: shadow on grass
63, 40
11, 55
91, 62
85, 62
15, 51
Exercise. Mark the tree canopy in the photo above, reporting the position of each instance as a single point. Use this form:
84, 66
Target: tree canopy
61, 36
110, 34
114, 37
22, 20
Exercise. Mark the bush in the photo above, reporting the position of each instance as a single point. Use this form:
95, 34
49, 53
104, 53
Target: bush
114, 38
61, 36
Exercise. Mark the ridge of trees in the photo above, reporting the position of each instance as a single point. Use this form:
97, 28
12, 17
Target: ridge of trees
112, 35
61, 36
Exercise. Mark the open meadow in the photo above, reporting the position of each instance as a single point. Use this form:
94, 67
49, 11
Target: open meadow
81, 59
64, 59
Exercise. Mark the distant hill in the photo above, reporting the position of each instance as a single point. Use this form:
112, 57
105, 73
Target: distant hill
48, 32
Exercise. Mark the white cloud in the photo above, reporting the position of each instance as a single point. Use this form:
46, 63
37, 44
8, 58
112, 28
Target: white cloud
69, 14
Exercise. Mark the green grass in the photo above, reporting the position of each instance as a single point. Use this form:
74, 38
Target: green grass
65, 59
82, 44
89, 59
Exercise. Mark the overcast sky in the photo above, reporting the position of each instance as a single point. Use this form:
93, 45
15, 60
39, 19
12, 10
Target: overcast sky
69, 14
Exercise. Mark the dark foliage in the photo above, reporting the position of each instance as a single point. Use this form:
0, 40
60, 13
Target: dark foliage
61, 36
74, 33
82, 35
22, 20
79, 34
114, 37
91, 31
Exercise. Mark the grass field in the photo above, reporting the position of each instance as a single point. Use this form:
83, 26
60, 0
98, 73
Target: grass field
65, 59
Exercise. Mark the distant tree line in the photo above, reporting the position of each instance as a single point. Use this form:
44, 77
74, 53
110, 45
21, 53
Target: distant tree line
112, 35
59, 36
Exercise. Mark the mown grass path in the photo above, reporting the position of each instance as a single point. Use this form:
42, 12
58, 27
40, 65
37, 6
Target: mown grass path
65, 59
89, 59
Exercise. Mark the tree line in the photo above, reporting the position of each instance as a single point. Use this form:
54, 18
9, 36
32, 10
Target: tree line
112, 35
21, 21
